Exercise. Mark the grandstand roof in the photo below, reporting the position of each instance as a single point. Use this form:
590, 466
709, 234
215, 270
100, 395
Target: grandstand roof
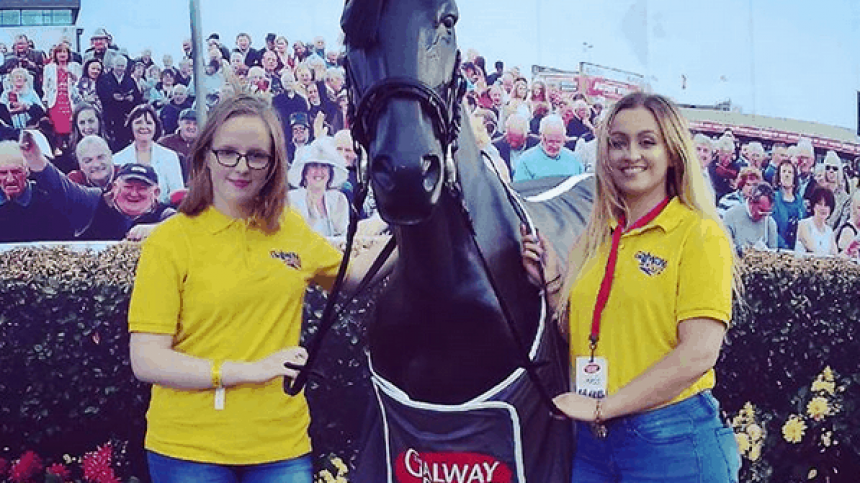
774, 129
42, 4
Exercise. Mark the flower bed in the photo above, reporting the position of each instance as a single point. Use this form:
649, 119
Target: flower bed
71, 409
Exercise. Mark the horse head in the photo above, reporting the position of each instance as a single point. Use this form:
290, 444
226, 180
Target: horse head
403, 74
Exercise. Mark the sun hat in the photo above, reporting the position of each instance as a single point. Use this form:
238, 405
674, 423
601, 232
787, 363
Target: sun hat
321, 151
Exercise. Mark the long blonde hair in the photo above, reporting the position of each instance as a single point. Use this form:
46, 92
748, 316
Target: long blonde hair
684, 179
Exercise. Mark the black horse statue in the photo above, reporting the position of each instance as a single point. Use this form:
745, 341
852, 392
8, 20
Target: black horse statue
459, 324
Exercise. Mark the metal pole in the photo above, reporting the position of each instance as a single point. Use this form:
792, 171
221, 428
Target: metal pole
198, 56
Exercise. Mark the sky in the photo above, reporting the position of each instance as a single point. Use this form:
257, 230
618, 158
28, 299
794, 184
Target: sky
793, 59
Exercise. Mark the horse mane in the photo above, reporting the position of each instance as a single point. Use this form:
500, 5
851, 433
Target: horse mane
360, 22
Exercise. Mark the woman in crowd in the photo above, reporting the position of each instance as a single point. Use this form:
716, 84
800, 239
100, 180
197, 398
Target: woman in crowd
58, 84
282, 50
304, 78
848, 235
788, 207
518, 103
814, 235
300, 51
21, 100
833, 178
653, 225
138, 73
748, 178
160, 95
205, 330
478, 121
318, 173
145, 128
85, 89
86, 121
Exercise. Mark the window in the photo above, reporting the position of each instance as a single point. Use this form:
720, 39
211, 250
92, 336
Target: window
10, 18
61, 17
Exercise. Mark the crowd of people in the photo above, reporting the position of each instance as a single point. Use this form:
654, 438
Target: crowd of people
144, 112
783, 199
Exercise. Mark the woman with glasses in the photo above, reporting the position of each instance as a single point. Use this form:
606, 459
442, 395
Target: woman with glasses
788, 207
216, 311
145, 128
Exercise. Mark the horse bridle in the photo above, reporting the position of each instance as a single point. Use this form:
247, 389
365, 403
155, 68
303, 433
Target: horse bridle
444, 110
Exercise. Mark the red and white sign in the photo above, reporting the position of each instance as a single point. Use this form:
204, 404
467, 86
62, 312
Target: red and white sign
413, 466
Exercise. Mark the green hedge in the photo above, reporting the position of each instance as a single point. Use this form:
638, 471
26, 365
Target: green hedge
69, 396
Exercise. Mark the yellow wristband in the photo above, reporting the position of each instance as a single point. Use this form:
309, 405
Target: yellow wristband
216, 374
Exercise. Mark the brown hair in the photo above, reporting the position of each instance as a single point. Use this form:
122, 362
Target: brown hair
270, 202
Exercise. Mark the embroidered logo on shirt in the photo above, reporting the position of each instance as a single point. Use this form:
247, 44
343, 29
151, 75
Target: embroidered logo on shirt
290, 259
649, 264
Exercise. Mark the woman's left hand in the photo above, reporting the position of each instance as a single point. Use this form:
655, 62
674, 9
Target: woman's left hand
576, 407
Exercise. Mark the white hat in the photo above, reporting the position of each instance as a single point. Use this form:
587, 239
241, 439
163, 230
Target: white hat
321, 151
832, 159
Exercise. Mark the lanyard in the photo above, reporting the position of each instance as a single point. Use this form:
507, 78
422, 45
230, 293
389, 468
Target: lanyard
609, 275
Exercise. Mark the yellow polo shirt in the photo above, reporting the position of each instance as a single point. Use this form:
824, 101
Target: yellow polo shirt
677, 267
228, 292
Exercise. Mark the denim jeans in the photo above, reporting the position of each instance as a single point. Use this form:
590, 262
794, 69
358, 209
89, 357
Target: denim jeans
164, 469
684, 442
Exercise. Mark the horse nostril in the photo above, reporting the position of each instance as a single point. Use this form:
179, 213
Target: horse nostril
383, 173
431, 171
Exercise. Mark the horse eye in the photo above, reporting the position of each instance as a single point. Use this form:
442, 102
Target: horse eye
448, 21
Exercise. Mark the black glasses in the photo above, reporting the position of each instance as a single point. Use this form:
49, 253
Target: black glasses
832, 168
254, 159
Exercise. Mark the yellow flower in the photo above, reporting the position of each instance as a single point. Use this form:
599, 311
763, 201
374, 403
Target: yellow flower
818, 408
743, 442
820, 385
755, 453
827, 374
792, 430
755, 431
339, 464
748, 410
327, 476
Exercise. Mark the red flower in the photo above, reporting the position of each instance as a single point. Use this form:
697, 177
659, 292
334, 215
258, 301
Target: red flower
97, 465
60, 470
26, 468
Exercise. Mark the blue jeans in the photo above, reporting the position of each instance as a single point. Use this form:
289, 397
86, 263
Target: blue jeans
685, 442
164, 469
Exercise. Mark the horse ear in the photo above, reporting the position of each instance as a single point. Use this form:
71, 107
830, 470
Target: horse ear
360, 20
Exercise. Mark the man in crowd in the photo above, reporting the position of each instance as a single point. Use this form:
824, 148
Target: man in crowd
118, 94
777, 156
101, 48
300, 133
804, 159
333, 83
288, 102
747, 180
95, 164
550, 157
500, 68
26, 210
725, 169
705, 152
750, 223
187, 49
318, 104
129, 209
182, 139
250, 57
185, 73
515, 141
756, 156
179, 101
24, 56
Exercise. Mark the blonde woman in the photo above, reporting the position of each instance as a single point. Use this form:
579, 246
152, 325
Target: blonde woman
21, 99
648, 295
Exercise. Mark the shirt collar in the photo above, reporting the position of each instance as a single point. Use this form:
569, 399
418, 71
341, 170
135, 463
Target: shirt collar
668, 219
24, 200
216, 222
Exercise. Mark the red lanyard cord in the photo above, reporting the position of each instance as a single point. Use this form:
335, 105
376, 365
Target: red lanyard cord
609, 275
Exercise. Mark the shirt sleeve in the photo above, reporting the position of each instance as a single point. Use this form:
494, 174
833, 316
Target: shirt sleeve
159, 279
705, 280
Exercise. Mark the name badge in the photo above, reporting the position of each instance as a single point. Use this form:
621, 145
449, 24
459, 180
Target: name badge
592, 376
